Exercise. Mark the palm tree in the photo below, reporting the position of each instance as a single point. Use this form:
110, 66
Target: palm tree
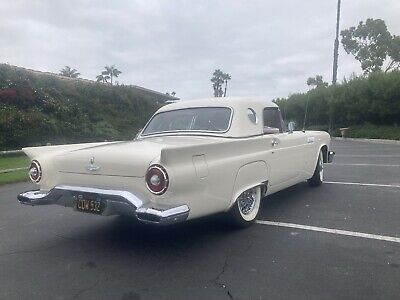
226, 77
171, 94
102, 78
68, 72
217, 81
112, 72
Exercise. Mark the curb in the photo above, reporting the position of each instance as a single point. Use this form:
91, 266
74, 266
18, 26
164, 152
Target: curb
11, 170
376, 141
10, 152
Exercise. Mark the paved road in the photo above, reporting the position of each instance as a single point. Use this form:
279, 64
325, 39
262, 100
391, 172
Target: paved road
55, 253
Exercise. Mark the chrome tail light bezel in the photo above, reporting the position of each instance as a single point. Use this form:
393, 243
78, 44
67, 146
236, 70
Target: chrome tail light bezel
161, 170
35, 165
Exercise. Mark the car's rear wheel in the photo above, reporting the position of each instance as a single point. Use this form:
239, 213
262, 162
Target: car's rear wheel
245, 209
318, 176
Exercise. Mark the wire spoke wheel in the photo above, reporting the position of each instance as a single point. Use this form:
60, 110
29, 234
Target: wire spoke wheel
247, 200
321, 167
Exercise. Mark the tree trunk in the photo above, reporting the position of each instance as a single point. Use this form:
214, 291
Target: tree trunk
226, 85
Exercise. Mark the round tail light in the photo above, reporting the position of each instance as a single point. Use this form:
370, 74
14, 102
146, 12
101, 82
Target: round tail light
35, 171
157, 179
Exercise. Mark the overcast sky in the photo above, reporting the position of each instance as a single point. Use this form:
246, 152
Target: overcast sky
269, 47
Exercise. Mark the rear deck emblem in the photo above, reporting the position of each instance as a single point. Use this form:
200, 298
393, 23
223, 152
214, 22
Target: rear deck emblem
92, 166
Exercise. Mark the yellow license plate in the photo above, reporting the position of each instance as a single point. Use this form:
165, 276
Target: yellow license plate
89, 204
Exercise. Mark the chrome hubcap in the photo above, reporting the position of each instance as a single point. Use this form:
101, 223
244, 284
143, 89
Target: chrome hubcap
247, 201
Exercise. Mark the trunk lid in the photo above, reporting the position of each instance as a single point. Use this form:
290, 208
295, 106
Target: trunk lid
113, 159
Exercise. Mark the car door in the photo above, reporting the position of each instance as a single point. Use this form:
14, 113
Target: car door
285, 156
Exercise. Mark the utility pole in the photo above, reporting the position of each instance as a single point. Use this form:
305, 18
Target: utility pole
336, 47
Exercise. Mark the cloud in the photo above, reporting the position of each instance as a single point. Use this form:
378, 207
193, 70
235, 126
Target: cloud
269, 47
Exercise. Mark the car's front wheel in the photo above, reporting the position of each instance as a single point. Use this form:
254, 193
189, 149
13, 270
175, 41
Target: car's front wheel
318, 176
245, 209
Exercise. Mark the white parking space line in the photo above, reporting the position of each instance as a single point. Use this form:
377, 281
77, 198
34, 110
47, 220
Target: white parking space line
367, 155
363, 184
332, 231
374, 165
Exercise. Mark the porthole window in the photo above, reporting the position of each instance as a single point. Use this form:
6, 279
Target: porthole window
252, 115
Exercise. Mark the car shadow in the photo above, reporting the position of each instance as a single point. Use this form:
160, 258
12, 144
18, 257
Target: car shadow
299, 194
126, 233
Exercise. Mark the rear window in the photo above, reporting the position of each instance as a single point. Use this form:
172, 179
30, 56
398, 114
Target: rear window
207, 119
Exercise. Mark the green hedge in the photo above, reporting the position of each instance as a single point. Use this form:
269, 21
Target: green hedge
374, 99
370, 131
36, 109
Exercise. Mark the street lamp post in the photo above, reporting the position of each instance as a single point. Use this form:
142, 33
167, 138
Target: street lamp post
336, 46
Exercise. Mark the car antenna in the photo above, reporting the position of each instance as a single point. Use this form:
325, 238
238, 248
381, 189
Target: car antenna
305, 113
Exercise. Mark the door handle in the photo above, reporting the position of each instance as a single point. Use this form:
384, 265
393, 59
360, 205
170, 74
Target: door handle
274, 142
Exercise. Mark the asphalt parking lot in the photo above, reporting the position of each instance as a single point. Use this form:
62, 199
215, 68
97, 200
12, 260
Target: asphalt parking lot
338, 241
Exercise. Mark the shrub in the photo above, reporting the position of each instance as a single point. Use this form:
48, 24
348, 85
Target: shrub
36, 109
373, 99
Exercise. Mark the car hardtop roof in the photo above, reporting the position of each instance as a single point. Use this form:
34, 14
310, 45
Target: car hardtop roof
234, 102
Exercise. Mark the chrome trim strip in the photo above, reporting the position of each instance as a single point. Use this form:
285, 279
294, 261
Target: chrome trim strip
188, 131
181, 133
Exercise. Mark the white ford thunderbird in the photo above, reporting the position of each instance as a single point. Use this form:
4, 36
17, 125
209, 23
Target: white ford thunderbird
192, 159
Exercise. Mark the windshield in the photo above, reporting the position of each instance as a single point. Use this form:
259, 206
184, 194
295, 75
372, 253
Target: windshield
209, 119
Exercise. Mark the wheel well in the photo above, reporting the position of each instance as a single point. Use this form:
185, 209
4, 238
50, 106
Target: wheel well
324, 150
250, 175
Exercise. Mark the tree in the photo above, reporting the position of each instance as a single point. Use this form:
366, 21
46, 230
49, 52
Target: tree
68, 72
371, 43
217, 81
102, 78
219, 78
112, 72
173, 93
394, 54
226, 77
316, 81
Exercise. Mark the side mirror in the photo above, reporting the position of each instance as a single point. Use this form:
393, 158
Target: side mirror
291, 127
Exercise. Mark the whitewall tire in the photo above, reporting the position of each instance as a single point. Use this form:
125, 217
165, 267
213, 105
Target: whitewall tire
246, 207
318, 177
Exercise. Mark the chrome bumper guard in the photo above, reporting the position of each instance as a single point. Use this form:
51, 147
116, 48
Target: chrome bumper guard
331, 154
117, 203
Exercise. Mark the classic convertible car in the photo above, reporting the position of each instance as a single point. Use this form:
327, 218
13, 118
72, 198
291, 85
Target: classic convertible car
192, 159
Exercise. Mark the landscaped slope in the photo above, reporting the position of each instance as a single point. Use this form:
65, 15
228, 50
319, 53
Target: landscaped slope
38, 108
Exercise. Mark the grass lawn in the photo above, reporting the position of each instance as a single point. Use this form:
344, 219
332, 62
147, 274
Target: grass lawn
11, 162
11, 177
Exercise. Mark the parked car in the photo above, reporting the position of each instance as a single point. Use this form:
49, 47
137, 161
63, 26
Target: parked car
192, 159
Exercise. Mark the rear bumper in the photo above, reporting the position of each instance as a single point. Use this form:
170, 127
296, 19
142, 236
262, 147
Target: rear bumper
117, 203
